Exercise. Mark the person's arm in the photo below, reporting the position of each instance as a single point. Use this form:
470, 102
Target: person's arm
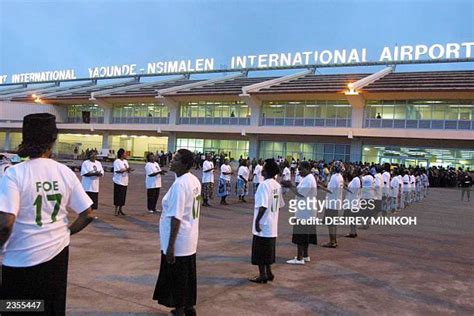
325, 189
261, 212
175, 223
288, 185
6, 226
81, 222
241, 177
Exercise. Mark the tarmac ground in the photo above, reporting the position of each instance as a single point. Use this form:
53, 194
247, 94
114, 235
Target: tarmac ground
421, 269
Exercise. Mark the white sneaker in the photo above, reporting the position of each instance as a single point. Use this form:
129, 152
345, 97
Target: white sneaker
295, 261
306, 259
158, 211
150, 211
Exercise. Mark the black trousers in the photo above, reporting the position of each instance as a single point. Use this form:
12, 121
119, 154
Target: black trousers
46, 281
152, 198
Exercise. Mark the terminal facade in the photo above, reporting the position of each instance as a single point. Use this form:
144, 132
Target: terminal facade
424, 118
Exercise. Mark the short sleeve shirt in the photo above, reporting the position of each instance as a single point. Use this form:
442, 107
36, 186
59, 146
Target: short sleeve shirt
207, 177
39, 192
91, 184
268, 195
155, 181
120, 178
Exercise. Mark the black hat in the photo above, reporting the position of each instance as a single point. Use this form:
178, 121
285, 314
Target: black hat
39, 128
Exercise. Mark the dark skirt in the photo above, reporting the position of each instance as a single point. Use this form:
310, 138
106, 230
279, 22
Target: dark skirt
152, 198
120, 194
263, 250
95, 199
46, 281
304, 235
177, 283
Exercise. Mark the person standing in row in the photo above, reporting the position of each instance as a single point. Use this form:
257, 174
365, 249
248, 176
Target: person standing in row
224, 181
353, 197
257, 175
153, 175
120, 179
91, 171
394, 191
286, 175
368, 194
207, 180
386, 188
466, 183
179, 230
268, 201
334, 202
303, 235
35, 197
242, 180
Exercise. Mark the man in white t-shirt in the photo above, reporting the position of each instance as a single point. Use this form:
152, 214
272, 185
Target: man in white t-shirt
179, 230
207, 180
153, 175
35, 197
91, 171
394, 191
257, 175
268, 201
386, 188
224, 181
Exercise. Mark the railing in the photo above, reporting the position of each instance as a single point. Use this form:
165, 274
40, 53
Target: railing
140, 120
310, 122
79, 119
422, 124
215, 120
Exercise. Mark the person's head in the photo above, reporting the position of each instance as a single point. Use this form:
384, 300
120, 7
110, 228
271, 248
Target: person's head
121, 154
182, 161
270, 168
92, 155
39, 135
150, 157
338, 166
208, 157
260, 162
226, 161
243, 162
304, 168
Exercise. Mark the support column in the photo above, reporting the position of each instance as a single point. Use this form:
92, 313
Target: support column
253, 147
105, 140
173, 107
357, 103
172, 142
8, 141
356, 149
255, 106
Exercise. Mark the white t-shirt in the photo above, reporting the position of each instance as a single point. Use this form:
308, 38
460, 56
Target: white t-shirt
412, 182
182, 201
257, 174
308, 189
297, 176
400, 181
406, 183
378, 186
268, 195
386, 179
226, 168
354, 186
208, 177
39, 193
286, 174
368, 187
335, 185
152, 182
394, 186
91, 184
120, 178
244, 172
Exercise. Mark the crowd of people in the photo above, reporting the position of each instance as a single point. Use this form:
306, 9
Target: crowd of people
36, 195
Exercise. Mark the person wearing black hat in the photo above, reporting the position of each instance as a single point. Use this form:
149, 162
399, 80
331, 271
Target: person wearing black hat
35, 197
120, 179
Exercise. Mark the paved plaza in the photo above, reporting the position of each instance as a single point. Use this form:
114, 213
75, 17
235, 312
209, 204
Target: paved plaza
423, 269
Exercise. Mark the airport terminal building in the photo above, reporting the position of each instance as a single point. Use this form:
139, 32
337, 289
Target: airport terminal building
424, 118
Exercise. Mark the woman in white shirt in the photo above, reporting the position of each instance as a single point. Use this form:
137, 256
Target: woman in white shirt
268, 201
334, 201
353, 199
257, 175
224, 181
35, 197
120, 179
91, 171
368, 195
153, 175
179, 230
243, 179
303, 235
207, 180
